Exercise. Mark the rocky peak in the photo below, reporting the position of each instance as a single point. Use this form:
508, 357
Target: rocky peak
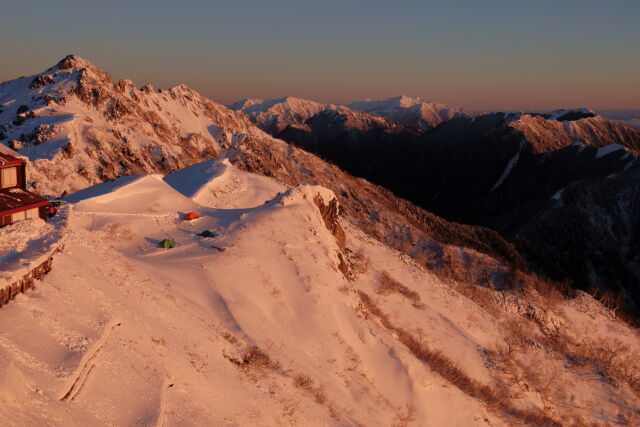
147, 88
69, 61
74, 62
405, 101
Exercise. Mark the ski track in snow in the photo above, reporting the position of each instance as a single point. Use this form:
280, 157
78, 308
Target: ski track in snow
162, 416
87, 364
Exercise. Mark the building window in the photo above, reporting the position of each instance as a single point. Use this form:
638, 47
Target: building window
9, 177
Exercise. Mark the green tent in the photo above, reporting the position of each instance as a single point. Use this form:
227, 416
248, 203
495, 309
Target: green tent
167, 243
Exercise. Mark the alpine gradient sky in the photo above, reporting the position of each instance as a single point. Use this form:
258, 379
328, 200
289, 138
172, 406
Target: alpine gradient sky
487, 55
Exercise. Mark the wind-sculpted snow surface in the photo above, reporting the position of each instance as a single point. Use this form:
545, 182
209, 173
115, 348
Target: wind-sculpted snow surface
270, 330
226, 188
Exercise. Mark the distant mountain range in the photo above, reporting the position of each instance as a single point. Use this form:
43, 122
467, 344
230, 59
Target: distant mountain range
629, 117
274, 115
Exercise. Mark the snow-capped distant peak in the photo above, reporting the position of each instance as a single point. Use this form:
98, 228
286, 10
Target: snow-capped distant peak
73, 61
561, 115
411, 111
273, 115
251, 105
402, 101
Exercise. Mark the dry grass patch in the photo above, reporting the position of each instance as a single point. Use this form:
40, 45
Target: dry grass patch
387, 285
405, 416
117, 232
306, 383
612, 359
253, 359
484, 297
495, 400
255, 362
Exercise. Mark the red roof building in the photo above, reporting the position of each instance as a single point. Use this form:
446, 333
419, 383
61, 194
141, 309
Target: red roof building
16, 202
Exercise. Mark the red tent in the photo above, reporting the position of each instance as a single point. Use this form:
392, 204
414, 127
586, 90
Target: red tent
190, 216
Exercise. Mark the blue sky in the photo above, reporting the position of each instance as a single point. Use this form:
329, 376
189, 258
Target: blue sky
481, 54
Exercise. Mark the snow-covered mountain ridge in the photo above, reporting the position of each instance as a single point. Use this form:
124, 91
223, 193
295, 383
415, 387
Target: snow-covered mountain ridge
545, 131
79, 127
276, 115
506, 171
561, 128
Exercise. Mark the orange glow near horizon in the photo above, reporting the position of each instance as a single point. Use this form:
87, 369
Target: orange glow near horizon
500, 55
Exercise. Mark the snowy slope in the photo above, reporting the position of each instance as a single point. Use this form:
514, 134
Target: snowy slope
182, 316
122, 332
